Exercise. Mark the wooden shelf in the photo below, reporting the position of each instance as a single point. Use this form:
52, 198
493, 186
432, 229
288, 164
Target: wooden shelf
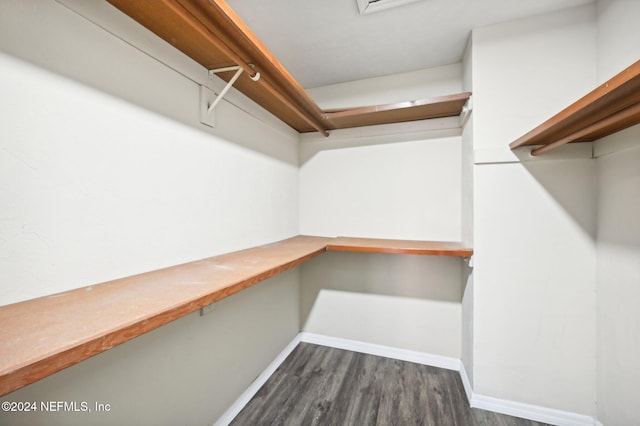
45, 335
613, 106
443, 106
373, 245
209, 32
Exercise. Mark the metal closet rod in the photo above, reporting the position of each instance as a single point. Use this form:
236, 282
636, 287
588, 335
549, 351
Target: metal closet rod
189, 17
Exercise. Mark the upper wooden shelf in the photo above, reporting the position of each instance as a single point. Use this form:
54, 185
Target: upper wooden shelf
373, 245
442, 106
45, 335
611, 107
209, 32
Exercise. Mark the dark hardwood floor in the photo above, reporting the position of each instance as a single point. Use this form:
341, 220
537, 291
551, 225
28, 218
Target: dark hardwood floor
318, 385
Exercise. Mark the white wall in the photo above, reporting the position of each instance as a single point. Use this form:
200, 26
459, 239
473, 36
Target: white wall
618, 283
396, 181
406, 190
132, 63
618, 31
467, 340
534, 221
94, 187
618, 238
534, 284
420, 84
97, 188
391, 181
402, 301
524, 71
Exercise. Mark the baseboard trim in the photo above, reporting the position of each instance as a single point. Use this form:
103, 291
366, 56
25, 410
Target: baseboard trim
466, 383
503, 406
531, 412
255, 386
448, 363
522, 410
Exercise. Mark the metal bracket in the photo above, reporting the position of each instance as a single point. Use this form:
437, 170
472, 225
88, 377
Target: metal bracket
466, 111
209, 100
224, 91
238, 69
470, 261
207, 96
206, 309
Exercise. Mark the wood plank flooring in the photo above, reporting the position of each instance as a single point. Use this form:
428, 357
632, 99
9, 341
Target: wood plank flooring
318, 385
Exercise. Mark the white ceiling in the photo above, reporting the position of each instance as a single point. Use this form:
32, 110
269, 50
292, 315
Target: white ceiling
323, 42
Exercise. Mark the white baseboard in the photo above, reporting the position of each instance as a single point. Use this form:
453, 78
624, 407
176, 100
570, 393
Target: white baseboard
531, 412
468, 389
255, 386
448, 363
522, 410
503, 406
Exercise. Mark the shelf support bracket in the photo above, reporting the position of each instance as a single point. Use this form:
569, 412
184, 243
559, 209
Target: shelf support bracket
224, 91
466, 111
238, 69
470, 261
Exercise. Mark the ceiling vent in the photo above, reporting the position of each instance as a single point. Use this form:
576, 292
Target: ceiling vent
372, 6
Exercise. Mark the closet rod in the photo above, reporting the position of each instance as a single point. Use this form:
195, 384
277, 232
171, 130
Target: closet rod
632, 112
196, 24
295, 92
188, 17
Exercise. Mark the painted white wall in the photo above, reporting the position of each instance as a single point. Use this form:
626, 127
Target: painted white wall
534, 221
618, 31
403, 301
466, 149
405, 190
524, 71
618, 281
399, 181
94, 187
420, 84
534, 284
618, 238
127, 65
78, 210
467, 342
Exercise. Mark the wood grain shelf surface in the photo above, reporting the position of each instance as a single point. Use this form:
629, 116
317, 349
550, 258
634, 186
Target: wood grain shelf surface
210, 33
42, 336
438, 107
611, 107
374, 245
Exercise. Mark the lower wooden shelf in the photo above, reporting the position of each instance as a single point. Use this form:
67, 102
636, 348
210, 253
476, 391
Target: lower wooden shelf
45, 335
372, 245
